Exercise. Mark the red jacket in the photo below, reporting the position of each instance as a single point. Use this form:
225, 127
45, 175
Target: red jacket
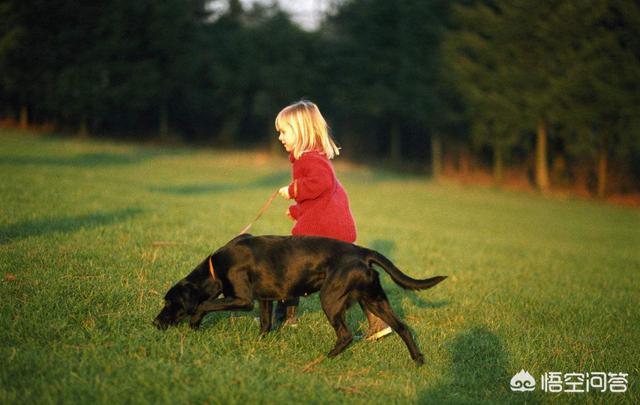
322, 207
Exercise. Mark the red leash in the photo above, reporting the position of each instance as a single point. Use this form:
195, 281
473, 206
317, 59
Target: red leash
262, 211
211, 270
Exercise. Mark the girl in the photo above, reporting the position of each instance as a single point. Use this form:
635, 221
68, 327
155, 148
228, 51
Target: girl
322, 205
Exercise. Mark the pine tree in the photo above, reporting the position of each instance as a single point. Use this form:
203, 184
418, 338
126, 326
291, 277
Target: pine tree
600, 87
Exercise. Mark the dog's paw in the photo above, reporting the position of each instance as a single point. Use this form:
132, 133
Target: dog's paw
419, 359
195, 325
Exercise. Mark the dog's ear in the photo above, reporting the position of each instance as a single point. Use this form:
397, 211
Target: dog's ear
192, 296
212, 289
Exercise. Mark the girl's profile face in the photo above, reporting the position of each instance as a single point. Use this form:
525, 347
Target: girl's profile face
287, 138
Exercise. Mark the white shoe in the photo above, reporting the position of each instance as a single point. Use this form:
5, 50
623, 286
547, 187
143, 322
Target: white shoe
379, 334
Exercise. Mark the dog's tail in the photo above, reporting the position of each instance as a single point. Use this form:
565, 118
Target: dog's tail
398, 276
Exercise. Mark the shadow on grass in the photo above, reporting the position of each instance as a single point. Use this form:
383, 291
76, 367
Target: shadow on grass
478, 372
94, 159
40, 227
273, 181
384, 246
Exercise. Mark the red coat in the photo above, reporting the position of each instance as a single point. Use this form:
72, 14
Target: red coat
322, 207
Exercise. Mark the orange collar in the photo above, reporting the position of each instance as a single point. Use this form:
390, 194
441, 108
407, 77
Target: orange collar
211, 270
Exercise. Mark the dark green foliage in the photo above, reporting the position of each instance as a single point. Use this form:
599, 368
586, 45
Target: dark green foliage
261, 62
112, 65
572, 67
484, 67
408, 80
387, 72
601, 86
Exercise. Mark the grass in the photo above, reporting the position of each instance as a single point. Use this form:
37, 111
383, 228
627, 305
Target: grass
534, 283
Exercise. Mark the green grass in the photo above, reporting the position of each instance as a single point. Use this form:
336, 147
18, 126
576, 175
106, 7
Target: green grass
534, 283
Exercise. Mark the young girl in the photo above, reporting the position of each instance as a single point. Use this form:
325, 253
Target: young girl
322, 205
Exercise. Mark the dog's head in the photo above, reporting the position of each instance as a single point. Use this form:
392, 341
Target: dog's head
179, 302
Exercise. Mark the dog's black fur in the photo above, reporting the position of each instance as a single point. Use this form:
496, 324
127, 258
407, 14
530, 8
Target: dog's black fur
271, 268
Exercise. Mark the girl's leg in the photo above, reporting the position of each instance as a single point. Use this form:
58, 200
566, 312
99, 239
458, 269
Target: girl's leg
286, 311
377, 327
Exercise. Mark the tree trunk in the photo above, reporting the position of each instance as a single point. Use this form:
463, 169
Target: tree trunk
542, 169
395, 147
83, 131
163, 126
24, 117
436, 156
498, 164
602, 170
464, 161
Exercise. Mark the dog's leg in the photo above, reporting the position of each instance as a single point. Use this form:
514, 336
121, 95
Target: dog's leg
220, 304
376, 302
196, 320
334, 303
266, 309
344, 336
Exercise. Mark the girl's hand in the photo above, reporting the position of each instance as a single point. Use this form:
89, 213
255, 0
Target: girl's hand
289, 215
284, 192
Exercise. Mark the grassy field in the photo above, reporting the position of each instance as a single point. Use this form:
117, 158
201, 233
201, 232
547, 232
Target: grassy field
539, 284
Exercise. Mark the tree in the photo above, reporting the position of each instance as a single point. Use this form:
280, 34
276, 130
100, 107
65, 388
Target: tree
289, 71
386, 67
79, 78
477, 55
600, 91
508, 60
261, 62
81, 66
11, 31
151, 55
28, 55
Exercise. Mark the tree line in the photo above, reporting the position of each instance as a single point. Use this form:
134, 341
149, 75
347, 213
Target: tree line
553, 84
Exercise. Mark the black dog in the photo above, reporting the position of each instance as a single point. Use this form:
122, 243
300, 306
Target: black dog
270, 268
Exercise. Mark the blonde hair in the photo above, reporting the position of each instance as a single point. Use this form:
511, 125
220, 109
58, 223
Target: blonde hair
310, 129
